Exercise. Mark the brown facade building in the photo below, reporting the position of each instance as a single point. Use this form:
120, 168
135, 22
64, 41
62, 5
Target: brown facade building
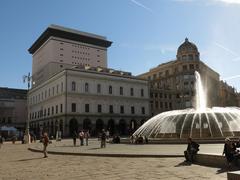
13, 108
172, 83
228, 95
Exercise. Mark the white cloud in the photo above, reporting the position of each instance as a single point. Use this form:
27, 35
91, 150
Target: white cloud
229, 1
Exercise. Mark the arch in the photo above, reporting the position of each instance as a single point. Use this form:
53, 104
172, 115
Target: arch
111, 126
132, 126
122, 127
142, 121
73, 126
99, 125
61, 125
87, 125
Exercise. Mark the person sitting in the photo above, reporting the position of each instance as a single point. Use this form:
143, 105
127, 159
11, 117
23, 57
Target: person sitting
191, 151
229, 151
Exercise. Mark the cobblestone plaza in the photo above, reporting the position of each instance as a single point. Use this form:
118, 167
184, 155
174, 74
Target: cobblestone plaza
20, 163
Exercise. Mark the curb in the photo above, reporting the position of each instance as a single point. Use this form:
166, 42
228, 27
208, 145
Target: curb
109, 155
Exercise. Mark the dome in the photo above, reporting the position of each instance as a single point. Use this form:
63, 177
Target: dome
187, 51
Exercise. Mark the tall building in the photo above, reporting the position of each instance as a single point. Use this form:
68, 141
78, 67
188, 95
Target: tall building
172, 83
81, 95
58, 48
13, 108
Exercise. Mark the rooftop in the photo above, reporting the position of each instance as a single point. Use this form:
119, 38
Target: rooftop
71, 34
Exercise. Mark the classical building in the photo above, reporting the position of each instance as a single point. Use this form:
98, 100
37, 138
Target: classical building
13, 108
228, 95
90, 99
172, 83
58, 48
73, 89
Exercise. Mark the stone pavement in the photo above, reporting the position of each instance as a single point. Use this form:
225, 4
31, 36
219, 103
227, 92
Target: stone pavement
16, 162
131, 149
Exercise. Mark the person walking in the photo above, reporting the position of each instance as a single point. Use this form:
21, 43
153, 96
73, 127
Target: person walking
81, 137
45, 141
74, 136
86, 135
103, 139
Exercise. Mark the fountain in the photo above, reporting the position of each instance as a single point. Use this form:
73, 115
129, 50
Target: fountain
198, 122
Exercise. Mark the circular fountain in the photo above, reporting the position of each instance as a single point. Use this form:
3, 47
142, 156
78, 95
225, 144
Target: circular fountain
199, 122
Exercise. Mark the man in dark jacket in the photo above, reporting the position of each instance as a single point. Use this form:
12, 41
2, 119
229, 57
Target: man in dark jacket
191, 151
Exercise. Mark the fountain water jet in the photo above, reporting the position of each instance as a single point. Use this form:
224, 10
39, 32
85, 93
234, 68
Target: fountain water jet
198, 122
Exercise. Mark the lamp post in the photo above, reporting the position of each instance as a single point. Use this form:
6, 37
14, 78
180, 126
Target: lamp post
27, 78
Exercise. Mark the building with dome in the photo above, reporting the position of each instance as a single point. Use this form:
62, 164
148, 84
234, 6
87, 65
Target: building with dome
172, 83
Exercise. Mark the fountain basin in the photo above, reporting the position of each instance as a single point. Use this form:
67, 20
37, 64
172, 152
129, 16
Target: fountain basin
208, 123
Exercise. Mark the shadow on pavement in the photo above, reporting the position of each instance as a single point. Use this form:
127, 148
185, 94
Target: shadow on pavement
223, 170
30, 159
95, 148
184, 163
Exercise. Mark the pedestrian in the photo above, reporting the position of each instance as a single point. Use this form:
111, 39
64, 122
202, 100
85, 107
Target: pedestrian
86, 135
81, 137
74, 136
107, 134
45, 141
103, 139
1, 141
191, 151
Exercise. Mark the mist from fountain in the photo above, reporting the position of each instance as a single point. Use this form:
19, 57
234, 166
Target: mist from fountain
198, 122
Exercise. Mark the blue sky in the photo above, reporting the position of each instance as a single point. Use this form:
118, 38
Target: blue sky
145, 33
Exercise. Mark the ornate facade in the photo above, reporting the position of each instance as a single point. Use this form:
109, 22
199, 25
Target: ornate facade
172, 83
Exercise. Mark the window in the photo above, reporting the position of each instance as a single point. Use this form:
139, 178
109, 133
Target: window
45, 94
191, 66
131, 92
52, 110
190, 57
86, 87
121, 90
122, 109
161, 104
48, 113
170, 105
73, 107
9, 120
99, 108
132, 110
166, 105
53, 90
73, 86
86, 107
61, 86
99, 88
142, 92
61, 108
56, 109
167, 72
143, 110
111, 109
45, 112
110, 89
156, 104
184, 67
49, 91
57, 88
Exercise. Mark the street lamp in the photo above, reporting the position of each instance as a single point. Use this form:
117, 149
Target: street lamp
27, 78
